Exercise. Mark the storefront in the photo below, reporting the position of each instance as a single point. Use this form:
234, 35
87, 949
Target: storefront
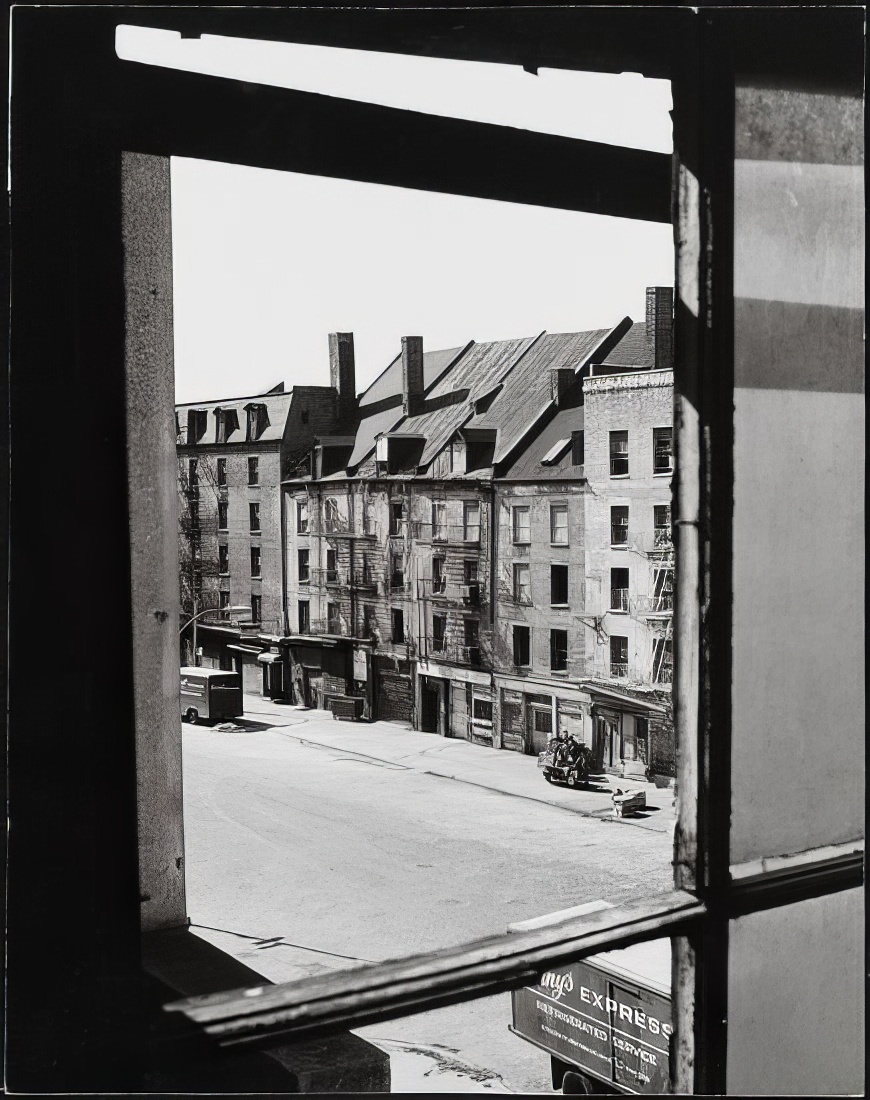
530, 713
621, 730
458, 700
434, 704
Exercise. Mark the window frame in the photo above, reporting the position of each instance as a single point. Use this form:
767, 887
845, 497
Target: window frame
516, 529
221, 473
253, 471
254, 520
223, 515
619, 456
256, 561
303, 572
562, 568
558, 656
718, 212
517, 631
658, 437
623, 543
559, 508
517, 594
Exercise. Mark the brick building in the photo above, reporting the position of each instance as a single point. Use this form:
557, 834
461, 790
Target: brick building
232, 455
629, 565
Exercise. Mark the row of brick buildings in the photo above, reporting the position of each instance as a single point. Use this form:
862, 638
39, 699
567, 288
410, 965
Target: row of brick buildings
478, 544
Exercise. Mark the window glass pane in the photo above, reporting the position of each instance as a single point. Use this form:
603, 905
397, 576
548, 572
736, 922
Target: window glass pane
559, 524
522, 525
619, 454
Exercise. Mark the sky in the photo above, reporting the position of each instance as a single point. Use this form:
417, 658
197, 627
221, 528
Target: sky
267, 264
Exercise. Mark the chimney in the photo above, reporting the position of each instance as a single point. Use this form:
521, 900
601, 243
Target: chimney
660, 325
342, 373
560, 381
412, 375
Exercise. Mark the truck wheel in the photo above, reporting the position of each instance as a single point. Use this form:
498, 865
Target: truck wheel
575, 1084
192, 715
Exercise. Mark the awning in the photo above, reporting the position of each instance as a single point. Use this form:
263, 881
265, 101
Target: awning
616, 699
250, 649
269, 658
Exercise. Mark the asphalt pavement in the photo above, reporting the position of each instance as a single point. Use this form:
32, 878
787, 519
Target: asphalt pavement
512, 773
317, 845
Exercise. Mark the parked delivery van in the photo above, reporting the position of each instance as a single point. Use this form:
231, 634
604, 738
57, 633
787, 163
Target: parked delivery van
210, 693
606, 1020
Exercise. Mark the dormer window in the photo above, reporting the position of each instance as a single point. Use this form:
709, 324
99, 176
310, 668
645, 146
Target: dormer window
197, 423
226, 422
258, 420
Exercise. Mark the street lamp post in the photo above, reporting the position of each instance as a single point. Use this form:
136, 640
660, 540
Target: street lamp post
234, 610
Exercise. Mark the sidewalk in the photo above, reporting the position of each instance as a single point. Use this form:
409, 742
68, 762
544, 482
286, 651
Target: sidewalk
511, 773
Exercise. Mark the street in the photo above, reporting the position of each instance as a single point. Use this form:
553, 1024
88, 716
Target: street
304, 856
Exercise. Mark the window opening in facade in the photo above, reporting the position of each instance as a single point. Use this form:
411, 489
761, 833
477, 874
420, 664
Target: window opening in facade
397, 620
662, 536
256, 608
619, 525
302, 516
619, 454
619, 590
223, 558
559, 524
221, 473
254, 515
522, 524
439, 577
303, 565
558, 650
333, 623
521, 646
253, 471
439, 630
577, 448
662, 451
471, 521
558, 584
618, 656
255, 561
663, 661
223, 515
522, 582
439, 521
303, 610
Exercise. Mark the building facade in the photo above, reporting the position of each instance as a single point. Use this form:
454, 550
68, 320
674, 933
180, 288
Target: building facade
232, 455
629, 561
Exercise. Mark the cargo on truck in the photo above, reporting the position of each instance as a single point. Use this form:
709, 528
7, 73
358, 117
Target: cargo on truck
210, 694
605, 1020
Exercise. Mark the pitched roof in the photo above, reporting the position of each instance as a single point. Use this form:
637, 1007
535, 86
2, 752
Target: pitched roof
389, 382
632, 350
529, 465
526, 391
277, 409
477, 370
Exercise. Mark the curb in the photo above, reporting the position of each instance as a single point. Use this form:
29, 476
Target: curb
593, 815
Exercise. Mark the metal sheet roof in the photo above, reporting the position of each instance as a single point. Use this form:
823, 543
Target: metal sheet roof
530, 466
389, 382
277, 408
632, 350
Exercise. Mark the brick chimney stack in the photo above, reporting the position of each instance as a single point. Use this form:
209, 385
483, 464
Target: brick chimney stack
561, 379
342, 372
660, 325
412, 375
